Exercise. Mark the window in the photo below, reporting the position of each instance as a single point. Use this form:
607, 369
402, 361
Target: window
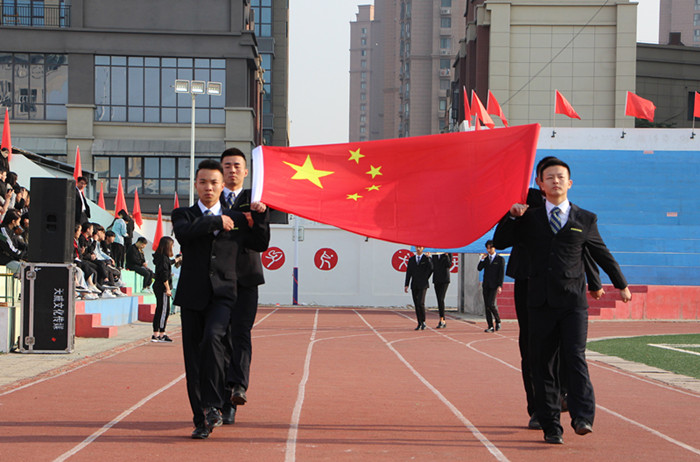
263, 17
444, 84
363, 96
697, 4
445, 22
363, 119
363, 130
696, 35
363, 52
442, 105
446, 43
363, 75
696, 19
34, 86
34, 13
364, 31
139, 89
446, 3
363, 41
444, 63
363, 85
363, 107
363, 64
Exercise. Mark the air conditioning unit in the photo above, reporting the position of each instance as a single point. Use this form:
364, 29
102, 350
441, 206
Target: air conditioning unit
444, 52
444, 72
445, 11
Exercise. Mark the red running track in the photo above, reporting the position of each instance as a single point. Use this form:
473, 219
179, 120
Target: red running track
346, 384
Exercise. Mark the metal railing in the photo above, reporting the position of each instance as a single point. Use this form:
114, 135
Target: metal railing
35, 14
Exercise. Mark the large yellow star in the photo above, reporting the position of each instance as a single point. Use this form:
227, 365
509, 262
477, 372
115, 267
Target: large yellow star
308, 172
374, 187
356, 156
374, 171
354, 196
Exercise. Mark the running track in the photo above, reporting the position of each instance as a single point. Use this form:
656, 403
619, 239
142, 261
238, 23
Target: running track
345, 384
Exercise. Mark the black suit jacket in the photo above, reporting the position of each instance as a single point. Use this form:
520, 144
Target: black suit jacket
493, 271
441, 268
249, 266
79, 218
209, 260
418, 275
557, 274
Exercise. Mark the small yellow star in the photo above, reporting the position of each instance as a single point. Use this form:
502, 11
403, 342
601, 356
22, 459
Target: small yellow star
308, 172
374, 187
354, 196
356, 156
374, 171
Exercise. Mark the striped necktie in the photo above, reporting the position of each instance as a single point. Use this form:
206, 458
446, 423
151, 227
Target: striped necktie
207, 213
554, 220
230, 199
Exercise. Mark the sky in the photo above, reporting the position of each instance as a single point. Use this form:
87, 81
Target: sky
319, 61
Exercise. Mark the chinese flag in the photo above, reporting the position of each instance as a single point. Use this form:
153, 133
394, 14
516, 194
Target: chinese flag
467, 111
176, 204
562, 106
493, 108
696, 106
159, 230
78, 169
480, 112
119, 199
101, 198
137, 209
441, 191
6, 137
639, 107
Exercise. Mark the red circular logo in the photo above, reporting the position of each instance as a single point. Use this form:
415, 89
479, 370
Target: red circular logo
400, 259
273, 258
455, 264
326, 259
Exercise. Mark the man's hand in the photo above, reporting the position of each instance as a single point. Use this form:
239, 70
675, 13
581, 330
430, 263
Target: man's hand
482, 256
499, 290
596, 294
249, 218
405, 289
227, 222
625, 294
518, 210
258, 207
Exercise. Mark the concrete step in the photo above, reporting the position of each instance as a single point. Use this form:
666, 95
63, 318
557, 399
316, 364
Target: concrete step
147, 311
90, 326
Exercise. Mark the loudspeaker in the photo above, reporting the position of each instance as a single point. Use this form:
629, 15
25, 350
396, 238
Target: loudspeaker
51, 220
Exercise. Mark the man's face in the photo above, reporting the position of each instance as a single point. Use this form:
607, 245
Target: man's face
109, 239
100, 236
209, 185
81, 185
235, 171
140, 245
490, 249
555, 183
419, 250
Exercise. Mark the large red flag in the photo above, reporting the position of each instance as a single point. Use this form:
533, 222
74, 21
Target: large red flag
101, 198
138, 219
78, 169
176, 204
119, 199
696, 108
159, 230
562, 106
639, 107
374, 189
480, 111
493, 108
6, 136
467, 111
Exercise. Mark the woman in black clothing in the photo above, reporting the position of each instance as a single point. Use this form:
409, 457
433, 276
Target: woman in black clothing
162, 287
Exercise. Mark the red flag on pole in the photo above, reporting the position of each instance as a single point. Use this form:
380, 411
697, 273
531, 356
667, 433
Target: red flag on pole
373, 188
6, 136
696, 109
78, 169
467, 111
119, 199
639, 107
138, 219
493, 108
176, 204
159, 230
101, 198
480, 111
562, 106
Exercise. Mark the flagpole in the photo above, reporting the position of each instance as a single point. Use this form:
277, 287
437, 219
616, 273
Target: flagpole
692, 132
295, 271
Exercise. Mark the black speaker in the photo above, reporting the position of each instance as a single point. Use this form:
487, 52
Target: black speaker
51, 220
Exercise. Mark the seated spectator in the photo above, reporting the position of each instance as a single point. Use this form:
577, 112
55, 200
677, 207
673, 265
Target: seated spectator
88, 269
12, 250
136, 261
102, 258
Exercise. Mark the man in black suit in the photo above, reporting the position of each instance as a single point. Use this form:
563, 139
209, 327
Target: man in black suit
442, 264
556, 236
492, 285
418, 271
82, 208
210, 238
250, 275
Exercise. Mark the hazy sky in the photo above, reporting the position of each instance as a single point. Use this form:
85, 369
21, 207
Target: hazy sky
319, 61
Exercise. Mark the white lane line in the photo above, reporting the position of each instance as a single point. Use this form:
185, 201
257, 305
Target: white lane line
266, 316
475, 431
118, 419
290, 452
601, 364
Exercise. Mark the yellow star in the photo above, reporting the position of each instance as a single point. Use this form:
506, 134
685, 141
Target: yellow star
354, 196
308, 172
374, 171
374, 187
356, 156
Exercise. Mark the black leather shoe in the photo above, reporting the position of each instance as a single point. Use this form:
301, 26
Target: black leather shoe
442, 325
417, 327
422, 326
490, 329
553, 438
498, 326
238, 396
200, 433
582, 426
228, 414
212, 418
534, 424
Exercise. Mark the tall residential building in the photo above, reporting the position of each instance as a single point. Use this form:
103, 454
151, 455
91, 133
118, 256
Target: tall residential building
409, 49
679, 17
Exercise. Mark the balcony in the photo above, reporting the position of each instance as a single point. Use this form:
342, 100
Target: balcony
35, 14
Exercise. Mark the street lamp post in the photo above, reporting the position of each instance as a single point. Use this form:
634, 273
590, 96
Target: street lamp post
194, 88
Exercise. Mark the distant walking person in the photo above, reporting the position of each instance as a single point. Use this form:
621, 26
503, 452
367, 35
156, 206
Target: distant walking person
418, 271
494, 269
162, 287
442, 264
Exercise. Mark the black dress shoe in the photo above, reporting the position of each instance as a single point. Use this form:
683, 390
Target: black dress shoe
422, 326
490, 329
238, 396
417, 327
212, 418
228, 414
534, 424
200, 433
498, 326
442, 325
582, 426
553, 438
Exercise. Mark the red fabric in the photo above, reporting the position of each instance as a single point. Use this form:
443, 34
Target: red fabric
119, 199
138, 219
6, 136
480, 111
159, 230
467, 111
696, 108
441, 191
562, 106
78, 169
493, 108
639, 107
177, 202
101, 198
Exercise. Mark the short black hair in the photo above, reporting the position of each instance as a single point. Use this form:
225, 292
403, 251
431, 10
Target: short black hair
142, 240
552, 163
233, 152
489, 243
209, 164
81, 178
109, 233
543, 161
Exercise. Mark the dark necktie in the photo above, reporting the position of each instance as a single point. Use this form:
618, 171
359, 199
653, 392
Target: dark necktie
554, 220
207, 213
230, 199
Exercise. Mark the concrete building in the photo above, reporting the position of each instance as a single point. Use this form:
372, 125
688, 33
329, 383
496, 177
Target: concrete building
679, 17
522, 50
99, 75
